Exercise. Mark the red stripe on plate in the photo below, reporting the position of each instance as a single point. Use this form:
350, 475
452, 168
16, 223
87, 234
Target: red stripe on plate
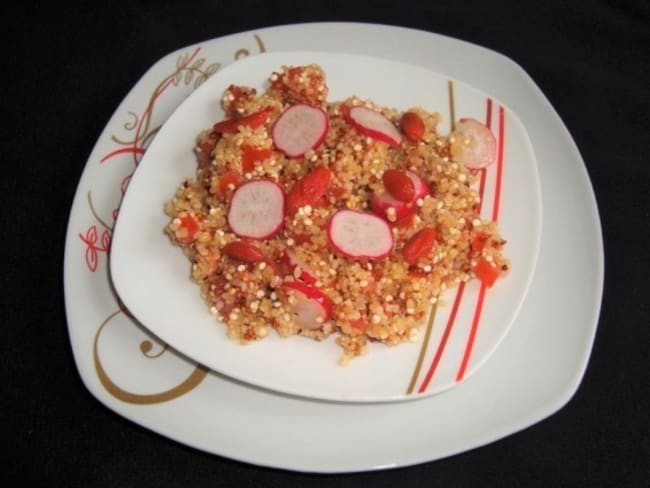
443, 341
495, 214
461, 288
502, 138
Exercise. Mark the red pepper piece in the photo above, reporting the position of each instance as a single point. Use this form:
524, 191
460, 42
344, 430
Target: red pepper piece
253, 121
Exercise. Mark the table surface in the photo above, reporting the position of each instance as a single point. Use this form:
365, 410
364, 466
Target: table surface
66, 71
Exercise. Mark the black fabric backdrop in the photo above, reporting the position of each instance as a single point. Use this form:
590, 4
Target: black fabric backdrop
66, 68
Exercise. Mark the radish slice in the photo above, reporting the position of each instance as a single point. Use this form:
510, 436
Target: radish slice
380, 205
360, 235
256, 209
374, 124
312, 308
300, 128
473, 144
306, 274
421, 188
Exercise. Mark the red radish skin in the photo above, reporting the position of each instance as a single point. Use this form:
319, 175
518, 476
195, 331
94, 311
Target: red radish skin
306, 273
473, 144
312, 307
380, 205
360, 235
421, 187
300, 128
374, 124
256, 209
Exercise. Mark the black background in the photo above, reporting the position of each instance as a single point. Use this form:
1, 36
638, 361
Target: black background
66, 68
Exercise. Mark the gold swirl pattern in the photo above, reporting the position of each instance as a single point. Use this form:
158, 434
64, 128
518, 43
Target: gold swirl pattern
245, 52
188, 72
196, 376
147, 346
185, 73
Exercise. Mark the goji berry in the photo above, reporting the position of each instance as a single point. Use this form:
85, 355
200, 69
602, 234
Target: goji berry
309, 189
243, 251
412, 126
419, 245
399, 185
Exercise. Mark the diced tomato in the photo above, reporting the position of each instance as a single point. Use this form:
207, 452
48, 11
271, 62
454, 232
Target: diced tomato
253, 121
294, 73
301, 238
236, 91
419, 245
204, 153
406, 223
309, 189
486, 272
191, 226
231, 177
479, 241
377, 274
205, 146
252, 155
360, 324
415, 272
249, 335
297, 84
277, 267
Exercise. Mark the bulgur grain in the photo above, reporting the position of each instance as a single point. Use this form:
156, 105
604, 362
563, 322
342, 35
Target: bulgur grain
385, 300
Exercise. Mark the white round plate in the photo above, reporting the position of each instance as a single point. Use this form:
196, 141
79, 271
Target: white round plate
533, 373
151, 276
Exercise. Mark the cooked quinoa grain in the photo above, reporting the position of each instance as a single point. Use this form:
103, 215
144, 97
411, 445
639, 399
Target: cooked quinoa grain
297, 280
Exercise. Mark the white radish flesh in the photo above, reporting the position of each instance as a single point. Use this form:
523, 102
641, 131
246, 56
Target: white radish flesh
300, 128
256, 209
374, 124
310, 307
360, 235
472, 144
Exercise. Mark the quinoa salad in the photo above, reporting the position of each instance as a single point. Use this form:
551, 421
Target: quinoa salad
313, 217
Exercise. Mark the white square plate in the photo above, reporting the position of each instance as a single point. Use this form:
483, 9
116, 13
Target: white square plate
151, 276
